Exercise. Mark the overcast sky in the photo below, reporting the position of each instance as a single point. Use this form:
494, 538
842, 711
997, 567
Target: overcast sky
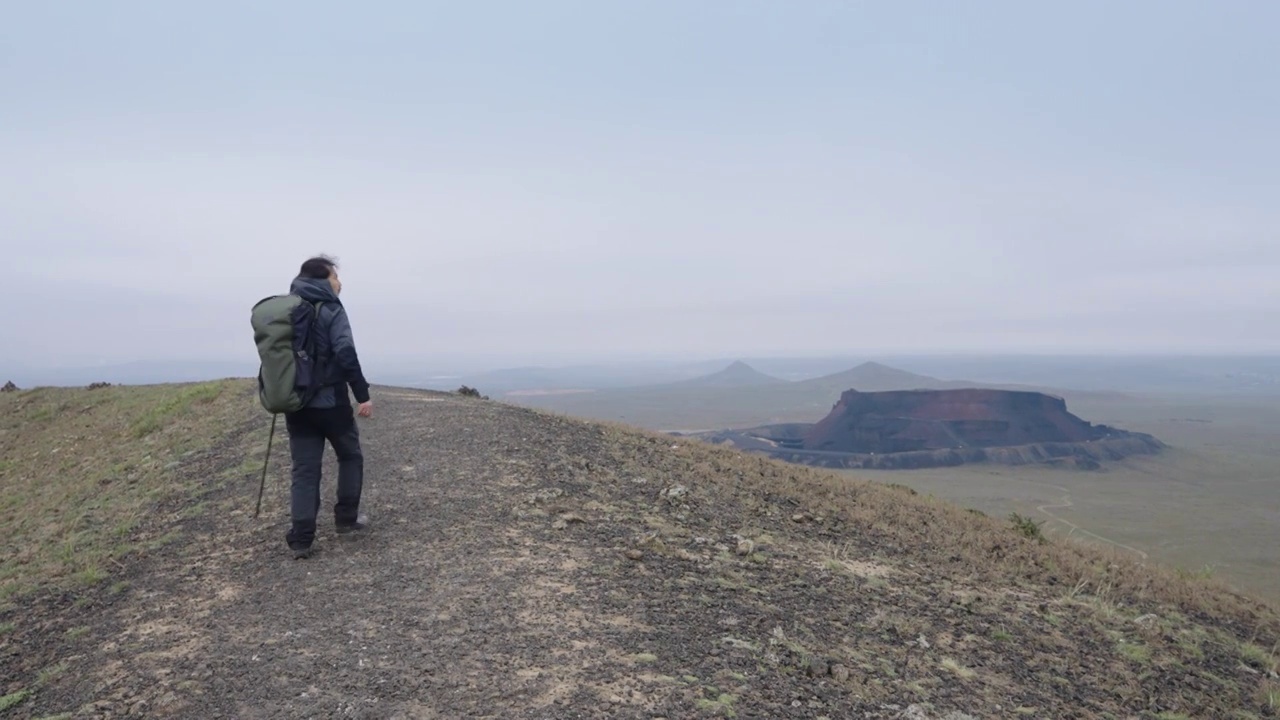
590, 179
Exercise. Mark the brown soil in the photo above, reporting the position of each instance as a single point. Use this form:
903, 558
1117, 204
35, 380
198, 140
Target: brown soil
528, 566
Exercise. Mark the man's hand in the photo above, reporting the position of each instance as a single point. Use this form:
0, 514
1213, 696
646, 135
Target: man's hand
366, 409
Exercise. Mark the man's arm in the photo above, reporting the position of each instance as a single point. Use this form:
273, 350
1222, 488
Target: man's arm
344, 351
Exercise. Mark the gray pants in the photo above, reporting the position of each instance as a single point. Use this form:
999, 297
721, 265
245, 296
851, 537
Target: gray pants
308, 431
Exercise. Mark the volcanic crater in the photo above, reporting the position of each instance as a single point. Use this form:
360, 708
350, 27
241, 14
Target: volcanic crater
910, 429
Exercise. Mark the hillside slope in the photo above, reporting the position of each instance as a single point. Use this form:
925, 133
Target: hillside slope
530, 566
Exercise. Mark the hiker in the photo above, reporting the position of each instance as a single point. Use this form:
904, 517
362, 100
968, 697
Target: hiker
328, 414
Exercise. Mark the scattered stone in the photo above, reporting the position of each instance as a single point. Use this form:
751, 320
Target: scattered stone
916, 712
840, 673
738, 644
800, 517
745, 547
675, 491
816, 666
545, 494
634, 554
652, 541
564, 520
9, 387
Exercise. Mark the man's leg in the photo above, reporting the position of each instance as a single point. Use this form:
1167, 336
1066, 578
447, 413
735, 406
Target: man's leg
306, 446
344, 435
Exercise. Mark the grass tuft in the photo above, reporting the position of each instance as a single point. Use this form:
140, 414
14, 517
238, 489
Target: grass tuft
13, 699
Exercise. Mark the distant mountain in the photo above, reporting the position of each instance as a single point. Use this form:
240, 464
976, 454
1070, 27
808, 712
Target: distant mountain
737, 396
875, 377
737, 375
537, 379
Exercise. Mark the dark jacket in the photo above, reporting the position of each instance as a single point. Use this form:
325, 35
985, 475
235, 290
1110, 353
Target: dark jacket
335, 347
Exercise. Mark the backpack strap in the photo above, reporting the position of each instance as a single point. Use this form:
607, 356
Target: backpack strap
318, 369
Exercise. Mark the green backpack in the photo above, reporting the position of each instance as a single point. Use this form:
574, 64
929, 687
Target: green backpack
284, 328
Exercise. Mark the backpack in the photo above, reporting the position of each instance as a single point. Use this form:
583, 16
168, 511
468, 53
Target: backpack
284, 329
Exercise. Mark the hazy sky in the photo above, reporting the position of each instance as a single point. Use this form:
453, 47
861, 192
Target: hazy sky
606, 178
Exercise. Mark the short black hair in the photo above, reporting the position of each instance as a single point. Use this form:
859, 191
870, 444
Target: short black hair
319, 267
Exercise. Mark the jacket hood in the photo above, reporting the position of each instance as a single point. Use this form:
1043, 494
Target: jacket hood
313, 290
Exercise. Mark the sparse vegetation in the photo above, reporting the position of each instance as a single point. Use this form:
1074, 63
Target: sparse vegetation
84, 470
1264, 660
1135, 653
1027, 527
721, 705
471, 392
13, 699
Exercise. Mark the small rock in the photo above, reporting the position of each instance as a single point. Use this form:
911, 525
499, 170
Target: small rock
799, 517
840, 673
564, 520
816, 666
634, 554
652, 540
675, 491
745, 547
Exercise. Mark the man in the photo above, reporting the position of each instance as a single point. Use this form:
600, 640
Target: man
329, 415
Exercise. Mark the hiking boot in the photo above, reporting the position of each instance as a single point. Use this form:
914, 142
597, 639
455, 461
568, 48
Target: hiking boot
360, 525
301, 553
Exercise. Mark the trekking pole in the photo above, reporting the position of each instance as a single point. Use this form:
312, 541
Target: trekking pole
265, 461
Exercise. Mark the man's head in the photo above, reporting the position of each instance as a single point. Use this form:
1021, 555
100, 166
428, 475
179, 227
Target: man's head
322, 267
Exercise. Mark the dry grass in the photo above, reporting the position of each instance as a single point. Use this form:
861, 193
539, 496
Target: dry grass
1160, 622
84, 469
996, 551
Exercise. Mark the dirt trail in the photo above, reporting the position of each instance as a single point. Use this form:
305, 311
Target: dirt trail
435, 613
1066, 502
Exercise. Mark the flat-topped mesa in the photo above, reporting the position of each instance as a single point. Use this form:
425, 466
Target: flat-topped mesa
914, 420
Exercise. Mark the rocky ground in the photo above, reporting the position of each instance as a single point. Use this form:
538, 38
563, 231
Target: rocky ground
526, 566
